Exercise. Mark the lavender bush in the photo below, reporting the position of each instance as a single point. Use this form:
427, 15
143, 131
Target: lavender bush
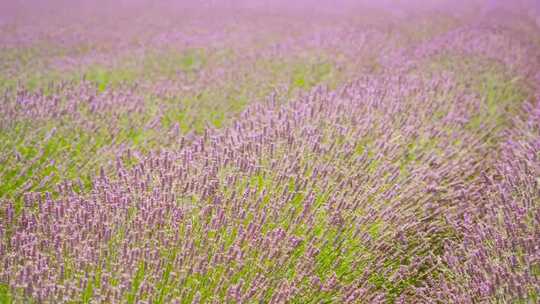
242, 153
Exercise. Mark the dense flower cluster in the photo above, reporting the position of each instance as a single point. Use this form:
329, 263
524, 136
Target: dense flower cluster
411, 182
498, 254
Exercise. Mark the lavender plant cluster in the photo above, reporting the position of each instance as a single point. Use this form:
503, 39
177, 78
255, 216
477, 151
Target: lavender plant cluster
405, 169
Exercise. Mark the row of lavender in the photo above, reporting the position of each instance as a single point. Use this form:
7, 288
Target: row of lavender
494, 257
497, 256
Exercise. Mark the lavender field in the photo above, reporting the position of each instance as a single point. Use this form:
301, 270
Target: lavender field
270, 151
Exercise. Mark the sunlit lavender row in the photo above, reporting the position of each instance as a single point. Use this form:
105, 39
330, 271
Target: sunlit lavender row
270, 152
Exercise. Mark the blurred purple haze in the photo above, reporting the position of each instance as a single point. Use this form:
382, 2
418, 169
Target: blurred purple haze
10, 10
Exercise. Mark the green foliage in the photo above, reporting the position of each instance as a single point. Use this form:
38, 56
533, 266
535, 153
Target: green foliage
136, 283
5, 294
307, 75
